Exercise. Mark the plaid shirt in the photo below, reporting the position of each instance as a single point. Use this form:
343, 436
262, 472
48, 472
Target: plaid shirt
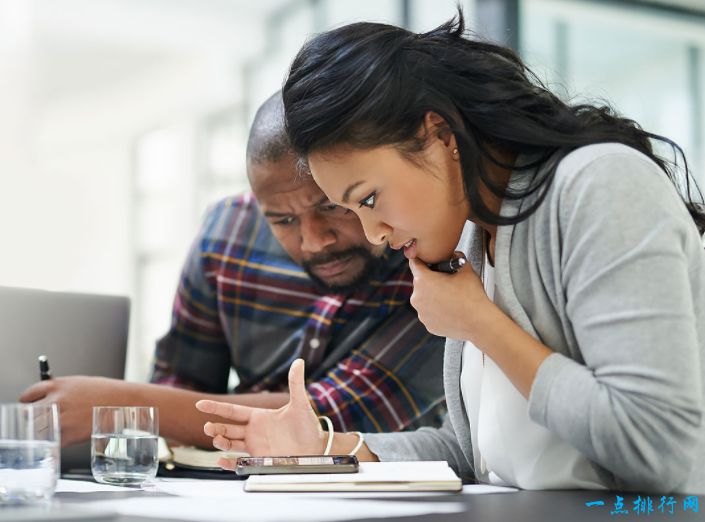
243, 303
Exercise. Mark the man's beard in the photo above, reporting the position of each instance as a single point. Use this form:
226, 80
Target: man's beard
371, 263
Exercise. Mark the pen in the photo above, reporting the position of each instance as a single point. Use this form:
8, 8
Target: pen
44, 371
451, 266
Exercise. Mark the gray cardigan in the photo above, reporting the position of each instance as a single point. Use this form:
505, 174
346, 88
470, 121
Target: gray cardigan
609, 272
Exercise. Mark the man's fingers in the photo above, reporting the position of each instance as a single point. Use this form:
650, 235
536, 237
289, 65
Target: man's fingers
231, 431
233, 412
221, 443
36, 392
297, 386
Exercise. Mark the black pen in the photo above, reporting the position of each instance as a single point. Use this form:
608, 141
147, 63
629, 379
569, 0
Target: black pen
44, 371
451, 266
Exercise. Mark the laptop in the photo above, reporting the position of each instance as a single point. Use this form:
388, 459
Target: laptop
81, 334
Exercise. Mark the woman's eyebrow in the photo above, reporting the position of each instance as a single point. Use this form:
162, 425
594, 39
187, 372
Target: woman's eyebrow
346, 194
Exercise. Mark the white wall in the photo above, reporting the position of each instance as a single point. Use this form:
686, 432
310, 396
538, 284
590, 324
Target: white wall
634, 58
75, 100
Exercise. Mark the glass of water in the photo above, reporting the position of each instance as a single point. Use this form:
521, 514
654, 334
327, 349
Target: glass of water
29, 452
124, 444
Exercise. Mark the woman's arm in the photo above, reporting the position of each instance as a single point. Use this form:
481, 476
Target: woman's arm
636, 404
294, 429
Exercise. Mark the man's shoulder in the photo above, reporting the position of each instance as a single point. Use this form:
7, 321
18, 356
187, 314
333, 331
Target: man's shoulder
233, 218
243, 205
235, 225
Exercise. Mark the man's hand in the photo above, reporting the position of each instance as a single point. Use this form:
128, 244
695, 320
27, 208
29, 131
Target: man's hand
292, 429
76, 397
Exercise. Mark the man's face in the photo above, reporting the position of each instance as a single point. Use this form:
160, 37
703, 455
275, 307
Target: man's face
325, 239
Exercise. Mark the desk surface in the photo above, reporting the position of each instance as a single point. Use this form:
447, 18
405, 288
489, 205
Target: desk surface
525, 506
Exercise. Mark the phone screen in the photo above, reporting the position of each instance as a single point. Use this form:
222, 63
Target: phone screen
330, 460
297, 464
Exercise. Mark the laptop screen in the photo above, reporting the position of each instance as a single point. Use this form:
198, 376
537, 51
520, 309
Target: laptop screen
81, 334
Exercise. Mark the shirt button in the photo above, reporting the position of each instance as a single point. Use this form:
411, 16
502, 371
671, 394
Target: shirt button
314, 343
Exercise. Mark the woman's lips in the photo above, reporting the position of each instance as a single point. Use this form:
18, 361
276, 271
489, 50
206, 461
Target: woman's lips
410, 249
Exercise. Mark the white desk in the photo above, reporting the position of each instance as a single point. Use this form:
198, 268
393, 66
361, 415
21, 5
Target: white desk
206, 503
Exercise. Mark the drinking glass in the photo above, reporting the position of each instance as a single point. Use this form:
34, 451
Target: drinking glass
124, 444
29, 452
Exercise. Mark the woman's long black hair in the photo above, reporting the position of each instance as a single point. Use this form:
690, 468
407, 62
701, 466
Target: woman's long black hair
367, 84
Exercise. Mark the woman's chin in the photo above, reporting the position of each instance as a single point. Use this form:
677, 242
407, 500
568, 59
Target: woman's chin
432, 257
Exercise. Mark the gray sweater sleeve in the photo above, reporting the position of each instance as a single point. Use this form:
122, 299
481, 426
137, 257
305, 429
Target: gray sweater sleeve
635, 405
421, 444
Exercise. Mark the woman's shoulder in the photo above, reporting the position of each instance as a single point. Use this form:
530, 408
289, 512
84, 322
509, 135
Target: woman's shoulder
601, 159
612, 183
611, 170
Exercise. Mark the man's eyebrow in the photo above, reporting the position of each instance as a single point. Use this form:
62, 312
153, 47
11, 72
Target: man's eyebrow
323, 199
346, 194
276, 214
273, 214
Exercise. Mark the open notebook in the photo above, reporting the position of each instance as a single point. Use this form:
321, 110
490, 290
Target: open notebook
190, 458
373, 476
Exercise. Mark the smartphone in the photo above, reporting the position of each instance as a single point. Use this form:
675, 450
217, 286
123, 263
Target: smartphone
301, 464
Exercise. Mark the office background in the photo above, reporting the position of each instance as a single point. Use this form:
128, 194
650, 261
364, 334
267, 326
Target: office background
121, 120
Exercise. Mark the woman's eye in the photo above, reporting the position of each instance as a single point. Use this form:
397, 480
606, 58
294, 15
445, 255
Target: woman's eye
369, 201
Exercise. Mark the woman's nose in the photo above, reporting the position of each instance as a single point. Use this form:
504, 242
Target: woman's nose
377, 232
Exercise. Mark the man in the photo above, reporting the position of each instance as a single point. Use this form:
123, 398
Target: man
273, 276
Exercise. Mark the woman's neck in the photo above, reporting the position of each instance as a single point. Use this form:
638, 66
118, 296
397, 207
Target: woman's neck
500, 177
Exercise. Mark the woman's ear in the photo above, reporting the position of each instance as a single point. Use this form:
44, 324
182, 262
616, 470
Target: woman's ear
435, 125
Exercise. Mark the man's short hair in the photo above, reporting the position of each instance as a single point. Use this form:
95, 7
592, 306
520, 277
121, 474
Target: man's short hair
268, 142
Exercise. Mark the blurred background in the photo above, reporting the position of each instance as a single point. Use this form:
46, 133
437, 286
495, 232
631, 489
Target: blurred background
122, 120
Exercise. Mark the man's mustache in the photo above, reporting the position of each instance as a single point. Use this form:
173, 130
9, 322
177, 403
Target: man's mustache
331, 257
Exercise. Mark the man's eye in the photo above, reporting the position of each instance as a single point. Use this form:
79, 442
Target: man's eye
288, 220
369, 201
332, 207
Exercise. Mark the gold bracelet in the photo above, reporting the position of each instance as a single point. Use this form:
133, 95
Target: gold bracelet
360, 441
329, 426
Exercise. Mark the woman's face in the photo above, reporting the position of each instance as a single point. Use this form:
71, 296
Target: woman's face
419, 206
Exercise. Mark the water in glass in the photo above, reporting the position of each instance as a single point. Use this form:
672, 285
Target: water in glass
29, 453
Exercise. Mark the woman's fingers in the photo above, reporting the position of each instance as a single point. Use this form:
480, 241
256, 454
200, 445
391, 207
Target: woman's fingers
298, 398
230, 431
229, 464
221, 443
233, 412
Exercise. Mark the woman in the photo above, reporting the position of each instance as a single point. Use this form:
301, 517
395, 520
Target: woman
575, 353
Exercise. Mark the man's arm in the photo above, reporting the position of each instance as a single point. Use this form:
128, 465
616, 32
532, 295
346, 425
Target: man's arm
178, 418
385, 386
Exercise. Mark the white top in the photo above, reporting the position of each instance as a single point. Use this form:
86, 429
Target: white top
509, 449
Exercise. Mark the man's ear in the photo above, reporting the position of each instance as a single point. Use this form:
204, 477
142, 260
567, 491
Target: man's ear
435, 125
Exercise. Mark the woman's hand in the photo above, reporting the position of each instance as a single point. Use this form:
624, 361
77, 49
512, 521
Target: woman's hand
456, 306
449, 305
292, 429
